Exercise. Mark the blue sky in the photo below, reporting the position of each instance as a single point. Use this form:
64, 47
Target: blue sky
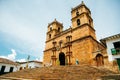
23, 23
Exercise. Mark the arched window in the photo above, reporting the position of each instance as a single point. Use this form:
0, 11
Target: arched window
50, 28
20, 68
58, 29
77, 13
99, 60
78, 22
60, 43
49, 36
90, 22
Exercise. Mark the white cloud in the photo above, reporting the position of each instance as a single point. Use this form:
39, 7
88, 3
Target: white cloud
21, 60
11, 56
38, 59
30, 37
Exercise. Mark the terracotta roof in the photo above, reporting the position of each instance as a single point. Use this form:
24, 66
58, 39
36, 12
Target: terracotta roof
29, 62
7, 61
110, 38
55, 21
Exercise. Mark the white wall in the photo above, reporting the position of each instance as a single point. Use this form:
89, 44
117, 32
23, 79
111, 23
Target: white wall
17, 68
7, 68
110, 45
38, 65
30, 65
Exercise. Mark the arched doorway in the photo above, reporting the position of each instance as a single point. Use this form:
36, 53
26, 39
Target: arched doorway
20, 68
99, 60
62, 58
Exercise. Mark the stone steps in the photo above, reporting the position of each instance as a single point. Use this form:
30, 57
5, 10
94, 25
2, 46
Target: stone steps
84, 72
111, 77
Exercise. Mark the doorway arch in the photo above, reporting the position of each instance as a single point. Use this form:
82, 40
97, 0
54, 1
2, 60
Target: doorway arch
99, 60
62, 58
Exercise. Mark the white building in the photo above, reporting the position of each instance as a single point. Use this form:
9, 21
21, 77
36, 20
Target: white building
7, 66
30, 64
113, 47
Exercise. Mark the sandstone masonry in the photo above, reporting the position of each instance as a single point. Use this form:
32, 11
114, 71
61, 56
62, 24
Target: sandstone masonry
81, 46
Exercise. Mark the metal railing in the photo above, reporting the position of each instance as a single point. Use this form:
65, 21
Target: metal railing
115, 51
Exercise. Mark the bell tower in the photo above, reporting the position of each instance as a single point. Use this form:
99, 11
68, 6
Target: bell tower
81, 15
54, 28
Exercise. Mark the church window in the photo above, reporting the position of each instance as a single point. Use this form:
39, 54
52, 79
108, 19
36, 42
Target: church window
90, 22
50, 28
60, 43
49, 36
77, 13
99, 60
78, 22
59, 29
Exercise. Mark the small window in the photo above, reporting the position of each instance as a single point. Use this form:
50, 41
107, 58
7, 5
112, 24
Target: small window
60, 43
11, 69
49, 36
117, 44
20, 68
59, 29
2, 69
50, 28
77, 13
90, 22
78, 22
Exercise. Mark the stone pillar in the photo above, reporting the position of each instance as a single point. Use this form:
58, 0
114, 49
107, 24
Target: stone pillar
68, 49
60, 46
53, 57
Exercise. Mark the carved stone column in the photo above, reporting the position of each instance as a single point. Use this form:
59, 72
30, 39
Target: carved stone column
53, 57
68, 49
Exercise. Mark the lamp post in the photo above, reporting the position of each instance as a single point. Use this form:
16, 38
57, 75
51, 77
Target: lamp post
68, 49
53, 57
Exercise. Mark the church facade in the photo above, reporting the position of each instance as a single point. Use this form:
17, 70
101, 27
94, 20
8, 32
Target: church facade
75, 45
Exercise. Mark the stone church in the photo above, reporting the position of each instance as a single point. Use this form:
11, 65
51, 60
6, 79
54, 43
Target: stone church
75, 45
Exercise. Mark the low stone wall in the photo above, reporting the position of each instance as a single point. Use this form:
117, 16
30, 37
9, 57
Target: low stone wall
111, 77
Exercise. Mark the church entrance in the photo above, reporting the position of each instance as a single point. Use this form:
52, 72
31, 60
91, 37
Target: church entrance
99, 60
62, 58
